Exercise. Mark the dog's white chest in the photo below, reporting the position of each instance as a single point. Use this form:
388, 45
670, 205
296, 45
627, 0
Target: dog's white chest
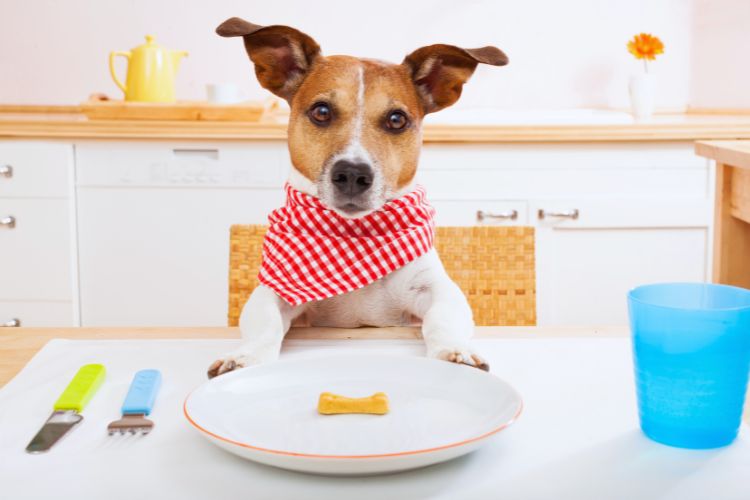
386, 302
372, 305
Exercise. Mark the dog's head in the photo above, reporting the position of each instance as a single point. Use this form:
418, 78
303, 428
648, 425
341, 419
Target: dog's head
355, 124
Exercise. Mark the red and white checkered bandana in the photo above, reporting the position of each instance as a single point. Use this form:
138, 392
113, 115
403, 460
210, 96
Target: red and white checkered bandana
312, 253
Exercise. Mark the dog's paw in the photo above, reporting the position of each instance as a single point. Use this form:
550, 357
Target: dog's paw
461, 356
243, 357
227, 364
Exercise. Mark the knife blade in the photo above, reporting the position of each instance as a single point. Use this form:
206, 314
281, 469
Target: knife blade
68, 407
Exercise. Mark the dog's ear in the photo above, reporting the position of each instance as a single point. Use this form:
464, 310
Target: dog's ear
282, 55
440, 71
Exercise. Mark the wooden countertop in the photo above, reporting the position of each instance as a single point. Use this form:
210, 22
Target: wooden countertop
734, 153
18, 345
65, 122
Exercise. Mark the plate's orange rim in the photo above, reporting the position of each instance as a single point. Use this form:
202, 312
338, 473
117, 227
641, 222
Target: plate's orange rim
381, 455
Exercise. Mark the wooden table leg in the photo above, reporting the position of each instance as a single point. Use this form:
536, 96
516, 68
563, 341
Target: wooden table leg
731, 259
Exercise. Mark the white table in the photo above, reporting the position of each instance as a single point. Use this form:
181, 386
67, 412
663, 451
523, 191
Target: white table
577, 438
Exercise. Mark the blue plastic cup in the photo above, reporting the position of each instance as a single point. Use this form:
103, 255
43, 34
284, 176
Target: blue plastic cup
691, 349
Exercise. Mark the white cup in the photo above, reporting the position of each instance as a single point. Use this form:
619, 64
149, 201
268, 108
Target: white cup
222, 93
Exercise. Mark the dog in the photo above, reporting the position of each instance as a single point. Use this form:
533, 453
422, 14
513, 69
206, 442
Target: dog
354, 137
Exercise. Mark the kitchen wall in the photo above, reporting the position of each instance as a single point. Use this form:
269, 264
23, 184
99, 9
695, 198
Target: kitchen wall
563, 53
720, 65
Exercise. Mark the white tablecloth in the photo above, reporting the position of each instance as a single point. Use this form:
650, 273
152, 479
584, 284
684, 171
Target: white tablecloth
577, 437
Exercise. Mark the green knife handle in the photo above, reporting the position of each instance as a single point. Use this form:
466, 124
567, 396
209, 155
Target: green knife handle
81, 389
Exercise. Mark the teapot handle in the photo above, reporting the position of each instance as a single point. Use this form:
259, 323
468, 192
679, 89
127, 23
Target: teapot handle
112, 56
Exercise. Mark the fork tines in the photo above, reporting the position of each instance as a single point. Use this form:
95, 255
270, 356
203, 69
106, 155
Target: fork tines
131, 424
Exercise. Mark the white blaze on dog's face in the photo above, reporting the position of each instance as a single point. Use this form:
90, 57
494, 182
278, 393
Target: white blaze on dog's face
354, 133
355, 125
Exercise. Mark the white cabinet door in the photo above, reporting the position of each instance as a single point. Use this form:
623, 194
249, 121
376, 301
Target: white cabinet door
35, 169
160, 257
37, 313
35, 250
586, 266
153, 226
37, 275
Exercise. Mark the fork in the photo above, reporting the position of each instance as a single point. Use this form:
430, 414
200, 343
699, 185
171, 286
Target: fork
138, 404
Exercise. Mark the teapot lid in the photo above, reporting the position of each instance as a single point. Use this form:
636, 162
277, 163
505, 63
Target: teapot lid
150, 44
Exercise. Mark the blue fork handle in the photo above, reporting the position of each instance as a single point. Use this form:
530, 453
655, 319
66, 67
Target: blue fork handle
142, 392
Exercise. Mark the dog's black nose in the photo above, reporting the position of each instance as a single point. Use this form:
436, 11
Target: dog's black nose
351, 178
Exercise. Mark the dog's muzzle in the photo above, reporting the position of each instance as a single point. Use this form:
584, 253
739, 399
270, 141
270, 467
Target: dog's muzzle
351, 181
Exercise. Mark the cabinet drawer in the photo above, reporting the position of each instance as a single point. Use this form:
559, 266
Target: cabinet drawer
562, 156
570, 170
480, 212
620, 213
29, 313
35, 254
32, 169
122, 164
583, 275
515, 183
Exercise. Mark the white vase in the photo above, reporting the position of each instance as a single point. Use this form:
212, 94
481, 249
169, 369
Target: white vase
642, 95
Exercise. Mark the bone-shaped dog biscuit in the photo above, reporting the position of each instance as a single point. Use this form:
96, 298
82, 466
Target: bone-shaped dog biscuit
332, 404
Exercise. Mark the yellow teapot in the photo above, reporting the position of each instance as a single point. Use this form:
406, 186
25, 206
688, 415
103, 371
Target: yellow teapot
151, 72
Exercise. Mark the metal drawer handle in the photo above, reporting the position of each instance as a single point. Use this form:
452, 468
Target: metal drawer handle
509, 215
189, 154
565, 214
8, 221
15, 322
6, 171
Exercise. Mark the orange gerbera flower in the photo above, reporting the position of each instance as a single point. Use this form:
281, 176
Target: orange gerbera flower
645, 46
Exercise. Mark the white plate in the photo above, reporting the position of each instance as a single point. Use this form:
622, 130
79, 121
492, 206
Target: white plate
268, 413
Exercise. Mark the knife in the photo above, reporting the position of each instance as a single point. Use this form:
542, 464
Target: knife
68, 407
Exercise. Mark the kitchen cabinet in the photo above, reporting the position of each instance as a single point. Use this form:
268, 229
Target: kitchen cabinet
37, 313
152, 220
37, 235
587, 264
36, 250
607, 216
153, 226
160, 256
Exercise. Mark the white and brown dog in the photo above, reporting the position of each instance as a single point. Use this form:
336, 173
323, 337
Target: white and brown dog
355, 132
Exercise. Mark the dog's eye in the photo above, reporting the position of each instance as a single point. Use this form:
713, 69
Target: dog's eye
396, 121
320, 113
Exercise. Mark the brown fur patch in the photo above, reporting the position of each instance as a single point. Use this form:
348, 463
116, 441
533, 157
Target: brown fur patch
281, 55
336, 80
440, 71
289, 64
